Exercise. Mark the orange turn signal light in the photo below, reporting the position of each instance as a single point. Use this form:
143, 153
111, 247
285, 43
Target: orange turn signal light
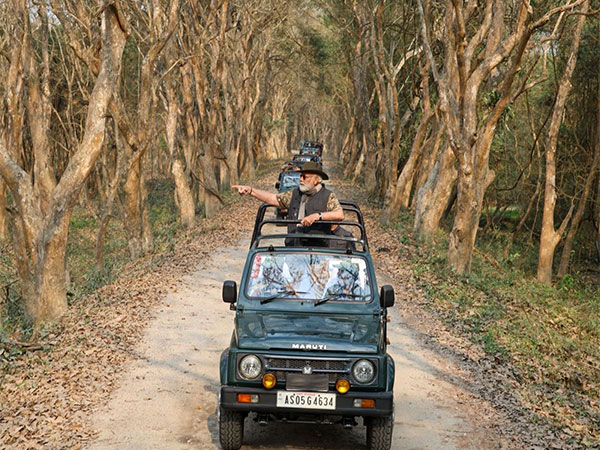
364, 403
247, 398
269, 380
342, 386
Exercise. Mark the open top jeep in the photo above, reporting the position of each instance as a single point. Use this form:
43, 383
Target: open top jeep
311, 147
309, 339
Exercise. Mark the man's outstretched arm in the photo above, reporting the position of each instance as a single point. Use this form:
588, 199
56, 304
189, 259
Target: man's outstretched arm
263, 196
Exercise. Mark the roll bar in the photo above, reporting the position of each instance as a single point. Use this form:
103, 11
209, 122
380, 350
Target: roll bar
347, 205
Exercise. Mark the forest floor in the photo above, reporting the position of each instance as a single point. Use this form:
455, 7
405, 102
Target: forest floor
120, 351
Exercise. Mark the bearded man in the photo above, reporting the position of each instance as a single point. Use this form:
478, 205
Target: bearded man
310, 202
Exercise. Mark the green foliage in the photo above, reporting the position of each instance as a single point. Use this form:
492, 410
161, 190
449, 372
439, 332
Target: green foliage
82, 222
163, 215
566, 283
551, 335
96, 277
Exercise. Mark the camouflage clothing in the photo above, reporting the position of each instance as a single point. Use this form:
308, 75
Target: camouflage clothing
346, 283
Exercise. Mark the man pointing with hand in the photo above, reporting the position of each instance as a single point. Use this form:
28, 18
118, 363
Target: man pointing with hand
310, 202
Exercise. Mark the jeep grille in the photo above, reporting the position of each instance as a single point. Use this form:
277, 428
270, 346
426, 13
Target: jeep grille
333, 367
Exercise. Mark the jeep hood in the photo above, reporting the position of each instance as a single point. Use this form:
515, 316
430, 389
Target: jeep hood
313, 332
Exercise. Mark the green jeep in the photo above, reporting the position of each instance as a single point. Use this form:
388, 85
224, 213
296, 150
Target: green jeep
309, 339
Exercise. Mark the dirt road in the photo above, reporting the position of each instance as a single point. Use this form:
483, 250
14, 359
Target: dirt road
167, 398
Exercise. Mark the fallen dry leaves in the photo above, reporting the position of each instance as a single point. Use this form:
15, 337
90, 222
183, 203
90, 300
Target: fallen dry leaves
47, 396
501, 401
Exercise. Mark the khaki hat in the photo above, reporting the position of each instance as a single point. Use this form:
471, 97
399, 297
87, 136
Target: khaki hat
314, 167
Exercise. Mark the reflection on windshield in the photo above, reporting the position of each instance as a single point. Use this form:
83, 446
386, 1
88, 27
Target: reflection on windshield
302, 276
290, 180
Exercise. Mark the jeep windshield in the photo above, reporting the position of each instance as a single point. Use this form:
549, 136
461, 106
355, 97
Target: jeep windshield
301, 276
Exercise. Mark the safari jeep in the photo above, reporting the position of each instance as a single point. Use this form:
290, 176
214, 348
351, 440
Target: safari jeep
309, 339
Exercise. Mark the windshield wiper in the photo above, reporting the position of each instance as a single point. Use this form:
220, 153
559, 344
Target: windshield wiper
281, 293
337, 296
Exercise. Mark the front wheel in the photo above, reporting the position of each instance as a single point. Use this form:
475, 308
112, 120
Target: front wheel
379, 432
231, 429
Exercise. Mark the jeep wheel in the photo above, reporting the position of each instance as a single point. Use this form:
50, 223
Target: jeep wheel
231, 429
379, 432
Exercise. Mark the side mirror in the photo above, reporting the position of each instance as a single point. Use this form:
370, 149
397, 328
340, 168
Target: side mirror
386, 296
229, 291
277, 185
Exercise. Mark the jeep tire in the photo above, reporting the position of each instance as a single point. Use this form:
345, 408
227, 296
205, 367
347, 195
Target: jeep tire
379, 432
231, 429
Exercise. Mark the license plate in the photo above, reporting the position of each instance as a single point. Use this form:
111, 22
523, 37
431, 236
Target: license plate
312, 400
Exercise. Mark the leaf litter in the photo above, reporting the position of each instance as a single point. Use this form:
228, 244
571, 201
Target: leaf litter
47, 396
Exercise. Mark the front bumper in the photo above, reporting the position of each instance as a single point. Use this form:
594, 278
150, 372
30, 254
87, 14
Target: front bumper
384, 403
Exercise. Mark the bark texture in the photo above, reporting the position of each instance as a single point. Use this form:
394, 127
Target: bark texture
550, 237
41, 235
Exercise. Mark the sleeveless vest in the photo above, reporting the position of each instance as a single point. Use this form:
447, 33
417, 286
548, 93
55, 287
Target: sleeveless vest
315, 204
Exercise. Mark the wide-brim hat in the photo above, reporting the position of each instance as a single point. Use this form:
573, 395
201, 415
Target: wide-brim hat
314, 167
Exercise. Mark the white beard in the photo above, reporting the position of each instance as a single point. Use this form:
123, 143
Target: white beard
309, 190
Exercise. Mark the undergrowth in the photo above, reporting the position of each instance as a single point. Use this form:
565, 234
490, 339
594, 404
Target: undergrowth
85, 276
550, 334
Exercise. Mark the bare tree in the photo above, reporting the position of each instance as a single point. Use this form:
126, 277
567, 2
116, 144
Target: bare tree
435, 189
278, 138
550, 237
389, 60
183, 194
40, 236
157, 21
112, 164
12, 107
476, 44
360, 65
204, 42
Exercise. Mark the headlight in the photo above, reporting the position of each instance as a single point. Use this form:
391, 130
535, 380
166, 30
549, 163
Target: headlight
250, 366
363, 371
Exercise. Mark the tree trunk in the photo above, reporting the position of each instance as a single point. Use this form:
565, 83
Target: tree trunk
183, 194
398, 193
38, 104
132, 211
577, 218
471, 189
354, 155
3, 216
137, 220
50, 279
111, 193
549, 237
431, 149
359, 80
24, 261
359, 166
189, 140
42, 236
344, 152
432, 198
